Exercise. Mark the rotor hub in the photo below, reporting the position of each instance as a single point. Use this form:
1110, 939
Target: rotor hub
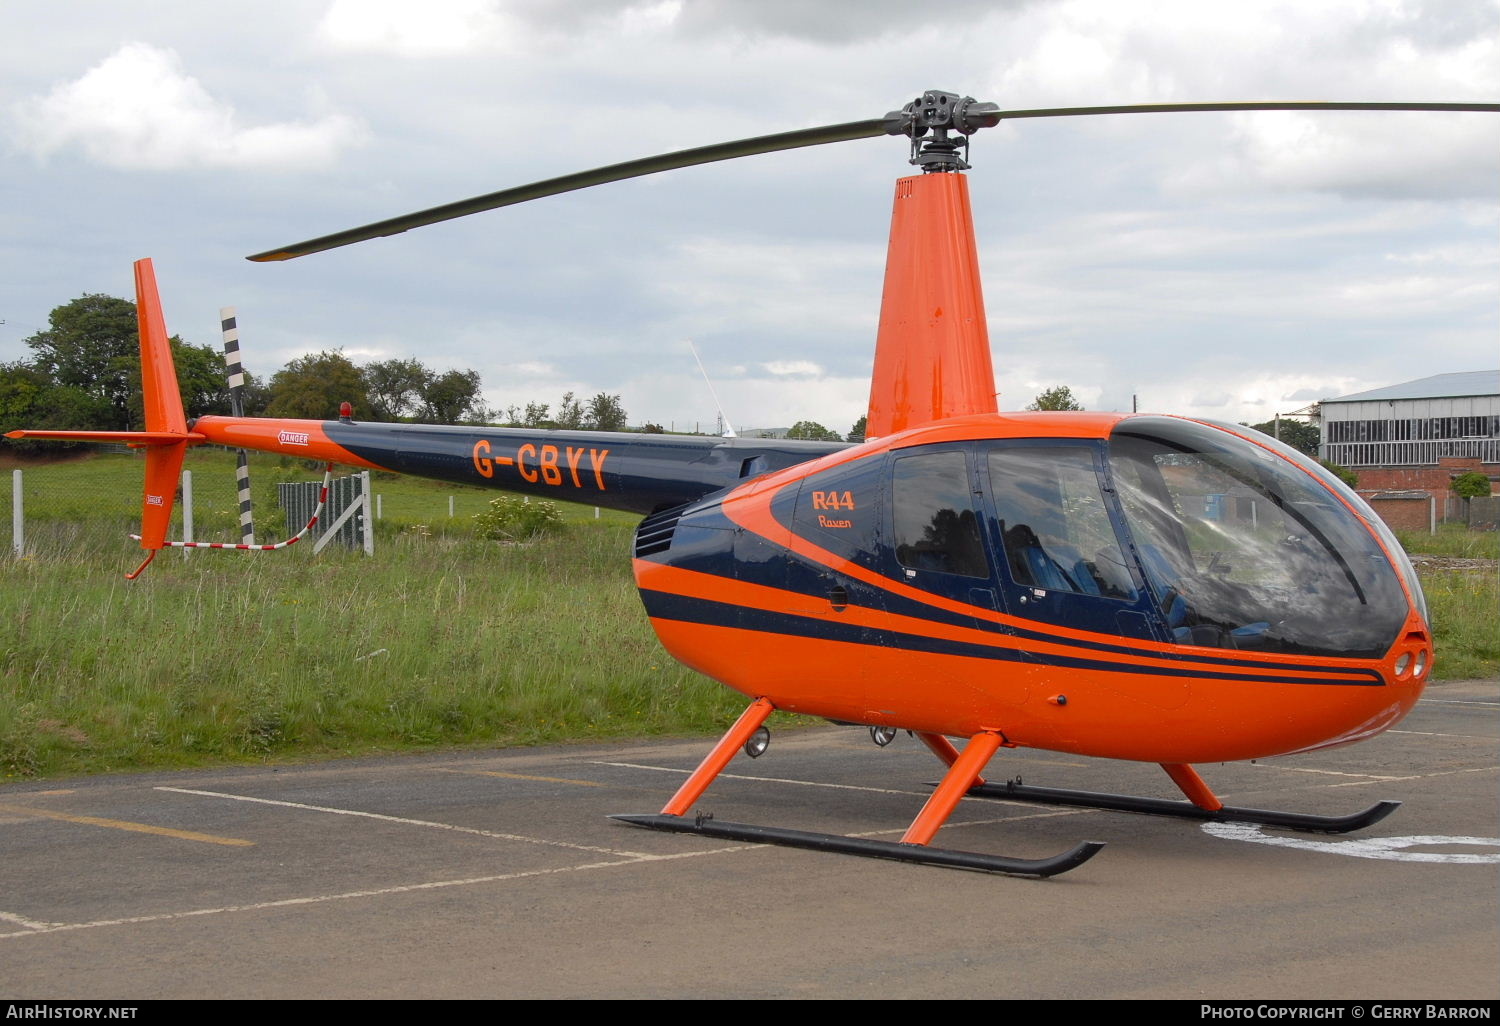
930, 121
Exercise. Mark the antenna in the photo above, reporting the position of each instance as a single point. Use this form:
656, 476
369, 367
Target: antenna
727, 428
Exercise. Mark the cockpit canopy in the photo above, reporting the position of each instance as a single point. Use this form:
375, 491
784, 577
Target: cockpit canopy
1246, 548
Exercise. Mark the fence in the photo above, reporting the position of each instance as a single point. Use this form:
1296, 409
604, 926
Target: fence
89, 504
345, 519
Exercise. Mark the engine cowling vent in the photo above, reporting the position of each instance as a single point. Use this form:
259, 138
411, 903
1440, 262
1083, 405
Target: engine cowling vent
656, 531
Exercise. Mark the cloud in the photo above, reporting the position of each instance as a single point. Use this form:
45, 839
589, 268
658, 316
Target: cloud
823, 23
430, 29
1097, 51
139, 110
442, 27
792, 368
1374, 154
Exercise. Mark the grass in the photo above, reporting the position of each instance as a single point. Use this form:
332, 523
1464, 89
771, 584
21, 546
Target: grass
1464, 603
1465, 612
1452, 540
442, 639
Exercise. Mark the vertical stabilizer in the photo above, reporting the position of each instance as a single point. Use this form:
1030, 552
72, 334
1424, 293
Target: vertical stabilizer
932, 354
166, 436
159, 389
164, 413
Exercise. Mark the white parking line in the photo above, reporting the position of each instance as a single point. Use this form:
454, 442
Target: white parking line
1330, 773
30, 924
411, 822
1433, 733
316, 899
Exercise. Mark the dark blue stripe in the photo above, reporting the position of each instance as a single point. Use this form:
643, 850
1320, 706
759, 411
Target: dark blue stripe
665, 606
771, 574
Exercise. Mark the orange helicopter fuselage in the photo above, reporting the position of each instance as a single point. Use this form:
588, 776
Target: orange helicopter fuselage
795, 587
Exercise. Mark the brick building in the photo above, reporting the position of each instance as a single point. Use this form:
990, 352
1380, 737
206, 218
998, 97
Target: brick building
1407, 442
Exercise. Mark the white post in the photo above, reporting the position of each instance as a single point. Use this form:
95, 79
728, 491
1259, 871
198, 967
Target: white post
187, 510
379, 507
369, 525
17, 518
1431, 512
450, 507
596, 512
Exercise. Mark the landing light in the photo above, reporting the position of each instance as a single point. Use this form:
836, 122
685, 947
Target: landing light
758, 742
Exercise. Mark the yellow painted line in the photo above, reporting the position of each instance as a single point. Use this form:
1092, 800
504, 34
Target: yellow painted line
125, 824
523, 776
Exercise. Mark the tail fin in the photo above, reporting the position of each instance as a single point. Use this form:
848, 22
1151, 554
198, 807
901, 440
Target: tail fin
166, 437
164, 413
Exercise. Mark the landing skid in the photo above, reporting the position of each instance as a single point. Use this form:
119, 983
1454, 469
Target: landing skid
1014, 790
919, 853
963, 774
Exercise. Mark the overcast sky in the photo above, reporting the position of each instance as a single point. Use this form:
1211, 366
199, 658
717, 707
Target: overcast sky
1227, 266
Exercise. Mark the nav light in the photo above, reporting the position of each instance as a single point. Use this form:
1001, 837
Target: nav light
1402, 662
1421, 666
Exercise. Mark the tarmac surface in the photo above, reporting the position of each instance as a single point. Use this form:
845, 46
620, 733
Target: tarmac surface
497, 874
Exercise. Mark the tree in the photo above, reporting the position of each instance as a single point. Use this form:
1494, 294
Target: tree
29, 399
535, 415
1302, 437
1470, 485
857, 432
812, 430
450, 396
92, 345
605, 413
201, 378
1057, 398
570, 413
313, 386
394, 387
92, 349
255, 395
1344, 474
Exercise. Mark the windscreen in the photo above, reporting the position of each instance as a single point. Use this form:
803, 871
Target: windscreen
1242, 549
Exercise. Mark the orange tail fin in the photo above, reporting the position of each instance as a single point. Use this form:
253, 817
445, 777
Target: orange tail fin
166, 437
164, 413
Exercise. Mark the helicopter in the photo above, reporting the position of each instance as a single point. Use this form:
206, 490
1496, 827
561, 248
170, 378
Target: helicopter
1141, 587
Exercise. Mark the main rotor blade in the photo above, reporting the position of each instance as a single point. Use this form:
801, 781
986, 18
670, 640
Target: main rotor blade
905, 122
1174, 108
585, 179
